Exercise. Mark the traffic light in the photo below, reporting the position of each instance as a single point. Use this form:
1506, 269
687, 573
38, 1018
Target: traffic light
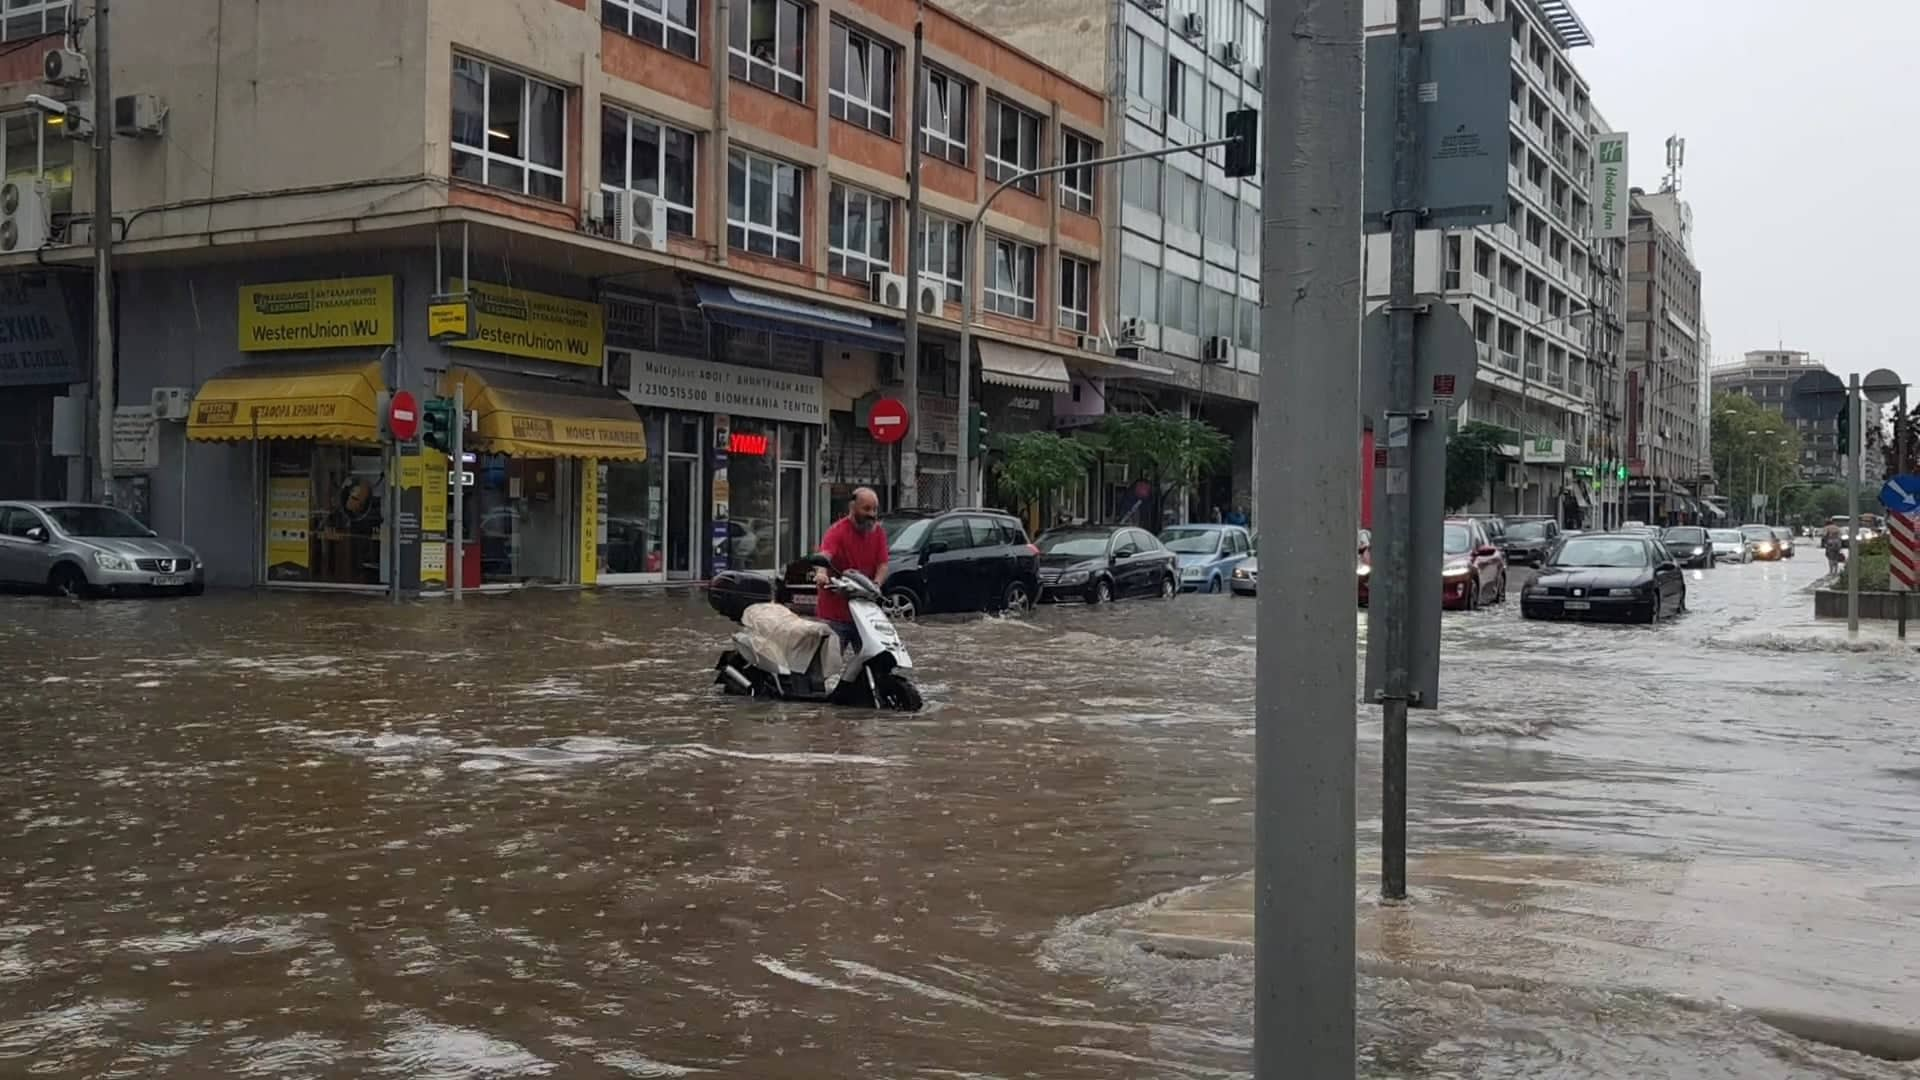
1843, 438
1243, 153
436, 424
977, 432
1623, 473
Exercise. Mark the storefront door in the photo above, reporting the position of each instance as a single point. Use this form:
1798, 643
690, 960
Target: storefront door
683, 517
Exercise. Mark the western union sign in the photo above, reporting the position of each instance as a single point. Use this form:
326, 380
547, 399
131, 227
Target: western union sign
333, 314
521, 323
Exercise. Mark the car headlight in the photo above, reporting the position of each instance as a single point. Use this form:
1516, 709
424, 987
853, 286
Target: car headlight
106, 560
1623, 592
1458, 571
1763, 546
1194, 572
1074, 577
1241, 573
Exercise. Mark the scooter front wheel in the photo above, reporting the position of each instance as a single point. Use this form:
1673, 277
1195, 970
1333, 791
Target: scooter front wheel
896, 693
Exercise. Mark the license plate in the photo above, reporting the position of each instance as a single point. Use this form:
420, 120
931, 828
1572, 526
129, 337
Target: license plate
1578, 605
167, 581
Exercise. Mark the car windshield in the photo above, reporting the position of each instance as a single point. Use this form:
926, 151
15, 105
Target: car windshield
1601, 551
96, 522
1527, 530
1758, 532
905, 534
1725, 536
1085, 545
1686, 536
1192, 541
1458, 539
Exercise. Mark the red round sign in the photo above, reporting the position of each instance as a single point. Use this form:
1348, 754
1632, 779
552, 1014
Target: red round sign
403, 416
888, 421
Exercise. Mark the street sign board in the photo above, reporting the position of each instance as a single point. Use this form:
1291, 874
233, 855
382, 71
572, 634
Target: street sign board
887, 420
1444, 347
1901, 494
1818, 395
403, 416
1903, 564
1609, 186
1881, 386
1758, 500
1464, 75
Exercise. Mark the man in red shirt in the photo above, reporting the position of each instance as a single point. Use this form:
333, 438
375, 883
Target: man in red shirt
855, 542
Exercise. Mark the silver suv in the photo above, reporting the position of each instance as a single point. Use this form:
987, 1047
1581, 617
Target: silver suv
83, 548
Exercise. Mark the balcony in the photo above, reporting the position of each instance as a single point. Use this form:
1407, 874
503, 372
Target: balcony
1557, 380
1560, 213
1483, 286
1508, 362
1530, 311
1507, 298
1533, 371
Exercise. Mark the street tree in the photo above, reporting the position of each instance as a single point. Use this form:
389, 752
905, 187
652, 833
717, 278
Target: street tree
1470, 454
1168, 451
1033, 465
1755, 450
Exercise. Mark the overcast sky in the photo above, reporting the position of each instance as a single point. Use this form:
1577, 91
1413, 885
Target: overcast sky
1803, 162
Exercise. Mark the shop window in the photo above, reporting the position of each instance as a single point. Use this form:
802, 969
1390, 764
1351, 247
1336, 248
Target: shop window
34, 18
859, 233
35, 149
509, 130
1076, 294
767, 43
752, 476
860, 89
1013, 143
671, 25
943, 130
763, 206
641, 154
519, 511
326, 513
1010, 288
1076, 185
943, 253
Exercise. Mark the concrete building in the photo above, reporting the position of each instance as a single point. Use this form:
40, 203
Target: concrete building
1521, 284
1606, 327
1767, 376
678, 239
1666, 433
1184, 236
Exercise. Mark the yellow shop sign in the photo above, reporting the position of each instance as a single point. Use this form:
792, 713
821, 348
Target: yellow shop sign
521, 323
331, 314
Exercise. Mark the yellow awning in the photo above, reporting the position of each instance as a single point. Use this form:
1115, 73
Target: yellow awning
290, 399
530, 416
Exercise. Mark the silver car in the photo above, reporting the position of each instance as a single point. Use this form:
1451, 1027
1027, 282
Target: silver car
82, 549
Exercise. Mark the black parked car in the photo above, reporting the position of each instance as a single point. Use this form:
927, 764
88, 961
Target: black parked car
1692, 548
959, 560
1528, 539
1607, 576
1105, 562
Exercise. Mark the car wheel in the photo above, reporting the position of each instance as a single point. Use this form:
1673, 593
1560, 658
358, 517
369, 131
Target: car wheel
1101, 593
901, 604
1500, 589
1213, 585
1474, 593
1018, 599
1169, 588
68, 580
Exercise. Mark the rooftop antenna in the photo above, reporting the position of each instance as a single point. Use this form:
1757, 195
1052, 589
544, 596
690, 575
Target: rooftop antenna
1676, 159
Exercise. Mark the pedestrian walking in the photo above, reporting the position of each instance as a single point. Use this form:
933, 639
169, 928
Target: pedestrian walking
1831, 542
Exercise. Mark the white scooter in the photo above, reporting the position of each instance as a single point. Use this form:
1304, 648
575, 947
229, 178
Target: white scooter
781, 654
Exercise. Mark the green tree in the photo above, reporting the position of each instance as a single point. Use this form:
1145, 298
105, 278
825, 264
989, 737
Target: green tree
1034, 465
1168, 450
1752, 446
1470, 454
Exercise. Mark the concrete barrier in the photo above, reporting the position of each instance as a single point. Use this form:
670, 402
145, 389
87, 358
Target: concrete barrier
1832, 604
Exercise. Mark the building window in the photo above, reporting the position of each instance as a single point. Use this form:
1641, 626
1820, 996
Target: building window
767, 46
943, 253
32, 150
1010, 285
859, 233
640, 154
763, 206
509, 130
1217, 225
1140, 183
34, 18
943, 130
1013, 143
1076, 294
1076, 185
669, 25
1146, 71
861, 81
1139, 290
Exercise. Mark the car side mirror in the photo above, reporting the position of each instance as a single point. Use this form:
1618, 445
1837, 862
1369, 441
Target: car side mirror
1668, 566
1486, 551
937, 547
37, 534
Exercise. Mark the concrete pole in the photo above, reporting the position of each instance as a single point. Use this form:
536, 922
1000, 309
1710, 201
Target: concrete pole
457, 526
1853, 504
1309, 421
103, 355
909, 447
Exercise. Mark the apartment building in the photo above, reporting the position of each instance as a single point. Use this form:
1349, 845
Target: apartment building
1766, 376
1606, 331
1523, 285
675, 240
1667, 436
1184, 236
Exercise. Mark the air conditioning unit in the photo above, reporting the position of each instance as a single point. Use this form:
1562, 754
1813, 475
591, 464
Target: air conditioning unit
1230, 54
1256, 76
138, 115
1132, 331
1193, 25
65, 67
596, 210
25, 221
1218, 350
890, 289
932, 299
640, 220
1093, 343
171, 402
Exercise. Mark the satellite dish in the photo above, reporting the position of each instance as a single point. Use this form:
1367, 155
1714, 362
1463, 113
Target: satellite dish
1817, 395
1881, 386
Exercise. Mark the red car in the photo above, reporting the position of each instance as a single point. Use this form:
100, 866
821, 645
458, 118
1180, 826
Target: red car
1475, 571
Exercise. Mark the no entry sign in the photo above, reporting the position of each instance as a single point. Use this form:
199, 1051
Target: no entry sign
403, 416
888, 421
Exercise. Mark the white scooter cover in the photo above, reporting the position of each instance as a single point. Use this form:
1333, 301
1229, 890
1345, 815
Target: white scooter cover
776, 631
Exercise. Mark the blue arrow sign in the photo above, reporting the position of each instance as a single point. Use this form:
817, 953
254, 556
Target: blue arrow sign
1902, 494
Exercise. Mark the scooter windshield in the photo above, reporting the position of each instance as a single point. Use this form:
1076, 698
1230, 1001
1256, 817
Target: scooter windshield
856, 585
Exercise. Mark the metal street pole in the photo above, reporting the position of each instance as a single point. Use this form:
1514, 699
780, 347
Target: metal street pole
1900, 425
1304, 742
969, 290
909, 447
1853, 504
103, 356
456, 559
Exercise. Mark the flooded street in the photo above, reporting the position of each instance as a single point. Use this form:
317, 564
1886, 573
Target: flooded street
307, 836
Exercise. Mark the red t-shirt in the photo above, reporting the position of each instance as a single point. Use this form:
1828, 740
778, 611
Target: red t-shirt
850, 549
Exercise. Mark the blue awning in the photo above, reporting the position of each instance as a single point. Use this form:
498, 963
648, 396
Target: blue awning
749, 309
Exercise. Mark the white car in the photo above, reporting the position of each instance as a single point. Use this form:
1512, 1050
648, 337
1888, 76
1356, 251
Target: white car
1730, 544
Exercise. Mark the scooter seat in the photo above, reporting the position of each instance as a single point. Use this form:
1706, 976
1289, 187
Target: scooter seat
777, 630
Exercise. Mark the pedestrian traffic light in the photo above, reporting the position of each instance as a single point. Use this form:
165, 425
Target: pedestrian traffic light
1623, 473
1243, 153
436, 424
977, 432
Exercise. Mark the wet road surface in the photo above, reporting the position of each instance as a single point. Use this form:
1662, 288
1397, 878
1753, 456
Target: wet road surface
308, 836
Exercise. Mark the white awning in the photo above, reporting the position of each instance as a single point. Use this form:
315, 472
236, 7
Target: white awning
1023, 369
